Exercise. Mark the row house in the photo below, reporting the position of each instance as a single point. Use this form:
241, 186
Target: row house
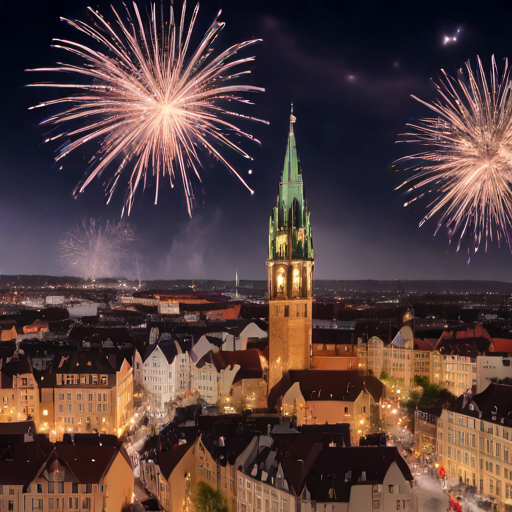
173, 462
166, 372
474, 442
85, 472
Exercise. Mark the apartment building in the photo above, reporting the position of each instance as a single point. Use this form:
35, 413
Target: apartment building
90, 394
312, 476
401, 363
460, 373
86, 472
474, 442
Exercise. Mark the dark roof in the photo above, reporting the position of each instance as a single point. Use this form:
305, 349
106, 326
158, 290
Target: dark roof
18, 427
116, 334
249, 361
84, 361
340, 385
19, 364
88, 462
494, 404
335, 465
87, 456
169, 459
169, 349
21, 463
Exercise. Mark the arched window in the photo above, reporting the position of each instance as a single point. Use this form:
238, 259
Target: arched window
281, 281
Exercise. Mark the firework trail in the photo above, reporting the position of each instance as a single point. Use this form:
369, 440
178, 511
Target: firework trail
151, 105
94, 249
468, 163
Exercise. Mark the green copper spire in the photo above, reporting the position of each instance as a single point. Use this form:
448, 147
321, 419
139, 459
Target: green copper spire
290, 229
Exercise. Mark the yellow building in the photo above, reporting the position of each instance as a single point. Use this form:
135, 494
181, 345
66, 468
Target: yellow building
86, 391
290, 268
401, 363
474, 443
19, 394
460, 374
87, 472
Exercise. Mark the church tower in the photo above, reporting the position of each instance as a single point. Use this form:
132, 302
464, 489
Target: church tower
290, 268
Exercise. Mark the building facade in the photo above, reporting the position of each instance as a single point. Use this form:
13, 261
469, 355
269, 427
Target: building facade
290, 267
460, 374
474, 443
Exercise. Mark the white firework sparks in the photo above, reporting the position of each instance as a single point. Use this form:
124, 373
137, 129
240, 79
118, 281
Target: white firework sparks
93, 249
151, 104
468, 166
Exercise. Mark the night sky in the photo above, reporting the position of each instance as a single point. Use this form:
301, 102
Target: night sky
350, 70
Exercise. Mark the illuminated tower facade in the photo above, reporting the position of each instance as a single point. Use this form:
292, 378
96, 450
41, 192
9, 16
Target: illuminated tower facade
290, 269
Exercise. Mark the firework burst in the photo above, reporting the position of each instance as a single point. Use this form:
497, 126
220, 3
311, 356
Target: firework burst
468, 164
93, 249
150, 103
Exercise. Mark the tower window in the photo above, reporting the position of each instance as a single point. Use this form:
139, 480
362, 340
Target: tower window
287, 311
297, 310
277, 310
305, 310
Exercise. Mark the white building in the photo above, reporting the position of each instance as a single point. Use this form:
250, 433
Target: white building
166, 372
492, 367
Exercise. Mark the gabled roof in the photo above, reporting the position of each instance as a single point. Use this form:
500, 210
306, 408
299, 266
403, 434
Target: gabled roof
21, 463
88, 462
339, 468
18, 365
169, 459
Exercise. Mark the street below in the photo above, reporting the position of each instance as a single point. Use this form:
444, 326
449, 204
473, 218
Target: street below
431, 497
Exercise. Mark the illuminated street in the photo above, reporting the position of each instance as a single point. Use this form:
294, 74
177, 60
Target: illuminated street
430, 496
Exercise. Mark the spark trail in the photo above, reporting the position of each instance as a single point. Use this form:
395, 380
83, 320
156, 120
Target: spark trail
149, 102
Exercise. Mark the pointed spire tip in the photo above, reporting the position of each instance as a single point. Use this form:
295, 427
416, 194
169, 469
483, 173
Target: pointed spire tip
292, 117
